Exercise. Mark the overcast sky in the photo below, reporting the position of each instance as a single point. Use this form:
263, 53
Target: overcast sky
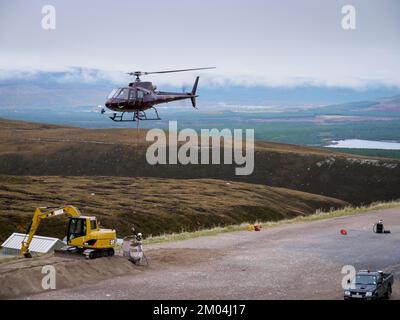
263, 42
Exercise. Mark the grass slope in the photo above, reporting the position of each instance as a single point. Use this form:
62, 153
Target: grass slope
41, 149
154, 206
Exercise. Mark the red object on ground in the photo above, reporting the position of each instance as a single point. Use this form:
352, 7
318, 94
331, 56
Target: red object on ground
257, 227
343, 232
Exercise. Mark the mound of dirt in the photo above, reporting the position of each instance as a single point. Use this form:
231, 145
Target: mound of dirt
23, 277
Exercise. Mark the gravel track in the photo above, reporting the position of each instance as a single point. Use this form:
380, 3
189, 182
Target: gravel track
297, 261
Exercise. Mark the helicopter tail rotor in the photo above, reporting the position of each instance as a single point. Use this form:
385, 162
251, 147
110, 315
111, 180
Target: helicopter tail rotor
193, 97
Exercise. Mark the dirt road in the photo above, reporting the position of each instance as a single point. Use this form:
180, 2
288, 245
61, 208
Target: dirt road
299, 261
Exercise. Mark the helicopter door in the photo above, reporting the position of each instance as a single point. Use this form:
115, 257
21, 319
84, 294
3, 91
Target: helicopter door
139, 96
132, 97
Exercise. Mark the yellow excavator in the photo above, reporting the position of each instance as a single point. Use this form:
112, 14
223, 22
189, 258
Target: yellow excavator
84, 235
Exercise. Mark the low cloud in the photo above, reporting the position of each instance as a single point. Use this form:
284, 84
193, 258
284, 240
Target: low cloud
212, 79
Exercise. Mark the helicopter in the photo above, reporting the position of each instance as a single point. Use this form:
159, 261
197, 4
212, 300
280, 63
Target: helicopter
141, 96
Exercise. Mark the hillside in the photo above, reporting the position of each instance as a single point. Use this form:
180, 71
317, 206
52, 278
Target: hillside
41, 149
154, 206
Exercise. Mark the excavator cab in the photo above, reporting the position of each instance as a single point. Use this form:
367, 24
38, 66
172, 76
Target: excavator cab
84, 233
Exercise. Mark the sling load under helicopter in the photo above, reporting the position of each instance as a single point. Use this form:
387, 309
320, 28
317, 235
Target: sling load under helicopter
141, 96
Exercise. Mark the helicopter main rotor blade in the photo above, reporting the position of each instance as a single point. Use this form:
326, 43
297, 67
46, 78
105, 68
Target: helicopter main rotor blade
181, 70
143, 73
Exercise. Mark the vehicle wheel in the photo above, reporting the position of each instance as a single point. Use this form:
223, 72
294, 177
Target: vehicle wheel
388, 292
111, 252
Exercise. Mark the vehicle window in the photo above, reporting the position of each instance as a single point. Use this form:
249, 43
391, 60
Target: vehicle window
140, 94
112, 93
93, 224
123, 94
365, 279
77, 228
132, 95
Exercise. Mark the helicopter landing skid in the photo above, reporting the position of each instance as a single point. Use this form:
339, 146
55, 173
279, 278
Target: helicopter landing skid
137, 116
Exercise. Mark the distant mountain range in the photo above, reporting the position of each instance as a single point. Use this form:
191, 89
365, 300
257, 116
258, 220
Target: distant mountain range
78, 86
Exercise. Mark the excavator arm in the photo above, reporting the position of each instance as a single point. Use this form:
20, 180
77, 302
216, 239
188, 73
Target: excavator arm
40, 214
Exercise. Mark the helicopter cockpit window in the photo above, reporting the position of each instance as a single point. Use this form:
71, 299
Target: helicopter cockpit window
123, 94
112, 93
140, 94
132, 95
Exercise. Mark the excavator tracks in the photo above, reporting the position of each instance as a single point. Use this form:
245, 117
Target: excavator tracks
76, 253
